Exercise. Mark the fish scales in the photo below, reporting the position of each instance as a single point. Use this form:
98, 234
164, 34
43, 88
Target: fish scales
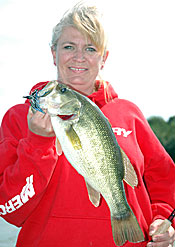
90, 146
99, 150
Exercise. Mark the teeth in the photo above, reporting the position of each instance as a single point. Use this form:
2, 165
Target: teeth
76, 69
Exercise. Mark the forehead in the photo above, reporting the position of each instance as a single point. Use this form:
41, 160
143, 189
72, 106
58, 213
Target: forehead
71, 34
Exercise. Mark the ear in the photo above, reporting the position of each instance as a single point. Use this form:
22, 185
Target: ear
104, 58
54, 55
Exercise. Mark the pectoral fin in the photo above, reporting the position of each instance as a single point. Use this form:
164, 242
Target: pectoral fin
130, 175
94, 196
58, 147
74, 138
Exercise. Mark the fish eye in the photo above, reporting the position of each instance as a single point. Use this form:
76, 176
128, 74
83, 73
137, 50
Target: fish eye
63, 90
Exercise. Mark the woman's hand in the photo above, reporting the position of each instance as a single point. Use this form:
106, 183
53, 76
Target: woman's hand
162, 240
40, 123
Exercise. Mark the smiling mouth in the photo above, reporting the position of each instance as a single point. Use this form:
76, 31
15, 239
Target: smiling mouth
77, 69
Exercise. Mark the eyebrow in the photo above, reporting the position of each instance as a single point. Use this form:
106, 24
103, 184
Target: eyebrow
72, 43
68, 42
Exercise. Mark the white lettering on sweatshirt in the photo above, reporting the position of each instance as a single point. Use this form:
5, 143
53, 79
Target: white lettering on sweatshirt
19, 200
121, 131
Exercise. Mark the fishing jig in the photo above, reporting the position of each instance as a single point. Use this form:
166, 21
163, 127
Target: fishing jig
34, 100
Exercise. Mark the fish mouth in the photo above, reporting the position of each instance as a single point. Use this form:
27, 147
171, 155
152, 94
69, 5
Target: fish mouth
68, 117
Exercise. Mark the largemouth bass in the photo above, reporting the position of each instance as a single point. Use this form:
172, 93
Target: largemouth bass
89, 144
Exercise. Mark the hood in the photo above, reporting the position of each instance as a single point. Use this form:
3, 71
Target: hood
104, 95
38, 86
101, 97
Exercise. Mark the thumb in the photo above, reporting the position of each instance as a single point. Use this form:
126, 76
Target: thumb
153, 227
30, 113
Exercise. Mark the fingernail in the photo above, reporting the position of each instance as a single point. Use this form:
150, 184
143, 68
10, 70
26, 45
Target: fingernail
149, 245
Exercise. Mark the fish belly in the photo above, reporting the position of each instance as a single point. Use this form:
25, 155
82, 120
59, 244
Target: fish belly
97, 157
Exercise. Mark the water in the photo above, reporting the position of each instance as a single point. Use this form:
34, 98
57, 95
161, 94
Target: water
8, 234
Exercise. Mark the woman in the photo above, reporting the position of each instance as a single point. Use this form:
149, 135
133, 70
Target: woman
41, 192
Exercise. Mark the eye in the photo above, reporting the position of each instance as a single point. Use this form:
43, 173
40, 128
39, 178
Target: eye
63, 90
91, 49
68, 47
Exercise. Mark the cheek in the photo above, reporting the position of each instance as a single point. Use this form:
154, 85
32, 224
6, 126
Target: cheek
96, 61
63, 60
61, 57
96, 64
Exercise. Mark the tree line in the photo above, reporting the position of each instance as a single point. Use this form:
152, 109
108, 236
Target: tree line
165, 132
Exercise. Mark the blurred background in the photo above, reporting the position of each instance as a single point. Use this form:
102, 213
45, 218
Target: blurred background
140, 66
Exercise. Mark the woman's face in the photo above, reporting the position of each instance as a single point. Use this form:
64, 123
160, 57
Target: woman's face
78, 61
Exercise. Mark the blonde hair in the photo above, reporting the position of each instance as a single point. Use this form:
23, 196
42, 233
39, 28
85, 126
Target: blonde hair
88, 20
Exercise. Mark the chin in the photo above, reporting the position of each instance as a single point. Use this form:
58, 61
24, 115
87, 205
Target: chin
81, 88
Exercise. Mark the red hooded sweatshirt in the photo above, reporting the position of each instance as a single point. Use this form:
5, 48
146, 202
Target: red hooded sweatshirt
43, 193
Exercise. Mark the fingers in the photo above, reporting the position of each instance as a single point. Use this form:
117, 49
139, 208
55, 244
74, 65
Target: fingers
163, 237
30, 113
40, 123
48, 125
161, 240
154, 226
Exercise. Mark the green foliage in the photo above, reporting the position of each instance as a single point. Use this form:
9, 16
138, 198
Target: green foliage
165, 131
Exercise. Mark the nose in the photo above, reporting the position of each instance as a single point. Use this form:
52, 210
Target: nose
79, 55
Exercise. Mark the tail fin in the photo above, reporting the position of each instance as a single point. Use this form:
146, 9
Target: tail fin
126, 229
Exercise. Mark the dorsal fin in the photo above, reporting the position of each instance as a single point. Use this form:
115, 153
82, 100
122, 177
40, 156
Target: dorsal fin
130, 176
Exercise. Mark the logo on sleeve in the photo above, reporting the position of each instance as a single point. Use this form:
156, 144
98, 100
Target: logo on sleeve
19, 200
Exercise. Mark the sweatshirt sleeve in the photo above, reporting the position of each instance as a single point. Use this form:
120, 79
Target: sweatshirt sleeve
27, 162
159, 171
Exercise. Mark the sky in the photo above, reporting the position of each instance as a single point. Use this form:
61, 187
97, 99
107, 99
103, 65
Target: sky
141, 61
